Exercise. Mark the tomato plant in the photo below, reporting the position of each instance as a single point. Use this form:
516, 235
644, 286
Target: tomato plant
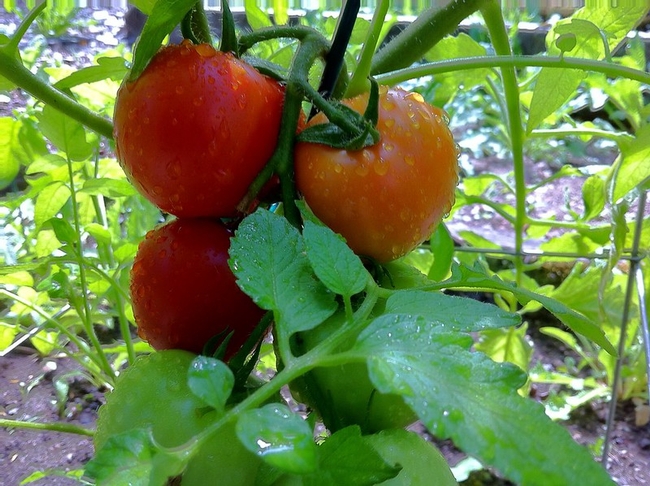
183, 291
387, 198
195, 128
153, 393
344, 395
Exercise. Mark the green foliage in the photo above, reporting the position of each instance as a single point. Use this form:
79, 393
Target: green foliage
461, 365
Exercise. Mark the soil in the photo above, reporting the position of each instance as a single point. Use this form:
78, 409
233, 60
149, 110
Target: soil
29, 383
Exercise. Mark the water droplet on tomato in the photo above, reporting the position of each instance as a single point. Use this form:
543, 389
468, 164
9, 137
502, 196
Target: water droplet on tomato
410, 160
380, 167
361, 170
179, 90
205, 50
388, 147
198, 101
414, 96
338, 168
388, 105
174, 169
389, 122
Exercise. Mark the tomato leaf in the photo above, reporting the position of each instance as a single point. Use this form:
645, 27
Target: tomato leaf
164, 17
133, 458
473, 400
453, 313
268, 258
106, 68
463, 276
280, 437
442, 247
67, 134
632, 168
211, 380
334, 263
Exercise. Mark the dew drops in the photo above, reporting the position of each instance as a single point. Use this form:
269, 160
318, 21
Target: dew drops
338, 168
198, 101
414, 96
380, 167
388, 147
389, 122
174, 169
388, 105
361, 170
179, 90
410, 160
205, 50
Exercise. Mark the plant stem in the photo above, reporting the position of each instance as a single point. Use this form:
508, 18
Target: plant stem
12, 69
431, 26
52, 427
491, 11
618, 137
87, 314
509, 61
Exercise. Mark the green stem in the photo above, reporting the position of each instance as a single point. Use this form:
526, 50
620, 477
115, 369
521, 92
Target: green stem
281, 163
12, 69
509, 61
301, 365
491, 11
52, 427
86, 316
195, 26
618, 137
414, 42
298, 32
359, 82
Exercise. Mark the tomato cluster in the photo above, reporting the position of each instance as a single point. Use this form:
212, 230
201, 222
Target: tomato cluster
192, 132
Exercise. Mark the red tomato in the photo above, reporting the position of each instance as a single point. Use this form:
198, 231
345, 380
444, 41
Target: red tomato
195, 128
388, 198
183, 291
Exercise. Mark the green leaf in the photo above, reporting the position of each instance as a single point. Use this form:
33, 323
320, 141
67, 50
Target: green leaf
570, 243
507, 345
132, 458
99, 232
347, 458
106, 68
553, 88
594, 197
255, 16
442, 247
473, 400
280, 12
268, 258
452, 313
334, 263
164, 17
112, 188
11, 150
633, 167
49, 202
280, 437
463, 276
146, 6
66, 134
212, 381
63, 230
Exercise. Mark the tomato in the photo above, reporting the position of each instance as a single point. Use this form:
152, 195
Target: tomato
344, 395
422, 464
153, 393
385, 199
183, 291
195, 128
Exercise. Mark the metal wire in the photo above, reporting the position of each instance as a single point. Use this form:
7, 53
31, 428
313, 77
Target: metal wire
634, 267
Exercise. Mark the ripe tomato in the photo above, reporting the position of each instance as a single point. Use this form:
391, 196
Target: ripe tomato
195, 128
388, 198
153, 393
344, 395
183, 291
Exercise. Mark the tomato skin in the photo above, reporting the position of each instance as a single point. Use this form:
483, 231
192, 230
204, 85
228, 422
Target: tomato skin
195, 128
344, 395
385, 199
183, 291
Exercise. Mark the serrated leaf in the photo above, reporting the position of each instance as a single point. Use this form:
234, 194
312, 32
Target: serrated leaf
334, 263
553, 88
49, 202
633, 169
473, 400
509, 345
106, 68
463, 276
452, 313
108, 187
66, 134
211, 380
162, 20
347, 458
280, 437
268, 258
